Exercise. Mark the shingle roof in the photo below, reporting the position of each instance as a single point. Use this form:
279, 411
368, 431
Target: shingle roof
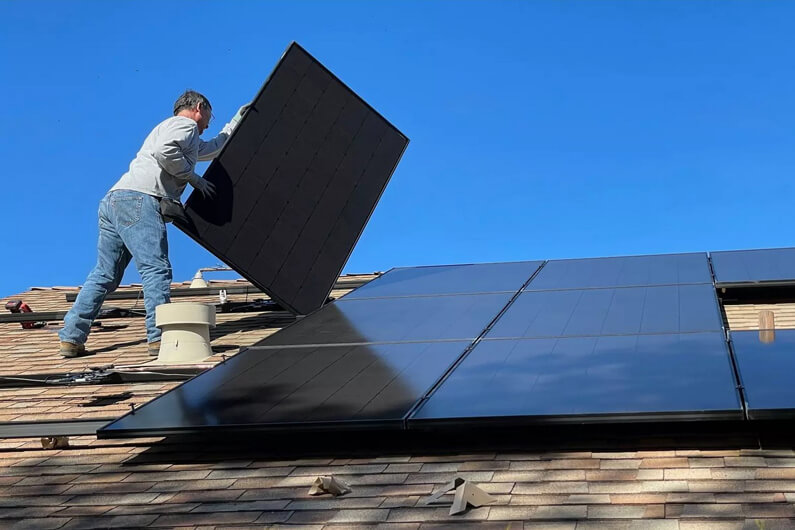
258, 482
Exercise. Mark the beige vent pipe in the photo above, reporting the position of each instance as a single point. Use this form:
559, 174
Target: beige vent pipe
198, 280
186, 332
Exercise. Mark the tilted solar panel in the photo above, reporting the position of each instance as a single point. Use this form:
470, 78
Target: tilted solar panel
296, 183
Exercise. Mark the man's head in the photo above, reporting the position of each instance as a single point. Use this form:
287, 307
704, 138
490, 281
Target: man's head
195, 106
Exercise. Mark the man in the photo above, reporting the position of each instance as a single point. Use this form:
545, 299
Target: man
131, 225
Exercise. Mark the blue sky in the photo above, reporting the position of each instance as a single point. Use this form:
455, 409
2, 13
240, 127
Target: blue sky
544, 129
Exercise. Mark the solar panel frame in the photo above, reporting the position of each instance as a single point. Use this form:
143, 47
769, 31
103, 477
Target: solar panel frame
282, 235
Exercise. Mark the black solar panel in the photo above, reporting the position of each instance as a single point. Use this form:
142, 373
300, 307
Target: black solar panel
766, 370
664, 269
630, 310
296, 183
298, 388
418, 318
449, 279
754, 266
673, 376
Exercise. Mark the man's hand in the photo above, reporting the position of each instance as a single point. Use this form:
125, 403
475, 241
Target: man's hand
206, 187
240, 113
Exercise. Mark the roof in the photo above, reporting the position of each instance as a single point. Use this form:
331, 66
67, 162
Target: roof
261, 481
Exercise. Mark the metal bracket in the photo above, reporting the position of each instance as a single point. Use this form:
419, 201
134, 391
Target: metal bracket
55, 442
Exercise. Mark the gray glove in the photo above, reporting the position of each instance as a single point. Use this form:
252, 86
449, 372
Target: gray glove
232, 125
206, 187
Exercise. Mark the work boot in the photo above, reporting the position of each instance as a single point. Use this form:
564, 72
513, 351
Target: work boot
154, 348
69, 349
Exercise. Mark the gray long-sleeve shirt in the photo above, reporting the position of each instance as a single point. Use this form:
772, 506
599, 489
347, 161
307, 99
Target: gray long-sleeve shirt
166, 161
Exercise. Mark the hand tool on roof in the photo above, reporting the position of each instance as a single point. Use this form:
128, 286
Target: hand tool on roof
18, 306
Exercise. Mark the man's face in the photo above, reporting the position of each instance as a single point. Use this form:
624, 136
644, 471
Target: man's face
204, 115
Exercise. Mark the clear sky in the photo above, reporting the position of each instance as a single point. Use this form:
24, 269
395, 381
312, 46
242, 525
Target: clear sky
539, 129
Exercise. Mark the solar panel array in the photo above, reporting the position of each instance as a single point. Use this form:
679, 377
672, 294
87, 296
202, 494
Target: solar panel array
567, 341
296, 183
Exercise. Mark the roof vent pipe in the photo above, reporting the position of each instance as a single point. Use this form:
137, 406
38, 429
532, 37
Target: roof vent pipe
186, 332
198, 280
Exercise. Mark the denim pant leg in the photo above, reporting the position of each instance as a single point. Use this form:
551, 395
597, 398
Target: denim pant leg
143, 231
112, 258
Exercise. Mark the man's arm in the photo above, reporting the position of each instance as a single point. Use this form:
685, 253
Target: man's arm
208, 150
176, 150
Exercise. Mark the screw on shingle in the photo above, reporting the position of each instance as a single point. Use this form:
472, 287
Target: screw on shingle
223, 357
132, 408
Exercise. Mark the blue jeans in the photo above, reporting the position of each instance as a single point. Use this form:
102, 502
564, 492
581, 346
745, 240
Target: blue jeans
130, 227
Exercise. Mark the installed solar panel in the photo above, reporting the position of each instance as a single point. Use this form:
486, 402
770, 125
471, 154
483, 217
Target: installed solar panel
296, 183
449, 279
664, 269
394, 320
630, 310
298, 388
754, 266
598, 378
766, 370
652, 352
